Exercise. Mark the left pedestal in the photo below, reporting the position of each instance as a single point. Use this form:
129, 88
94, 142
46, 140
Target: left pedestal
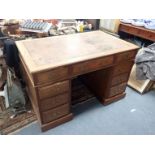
50, 101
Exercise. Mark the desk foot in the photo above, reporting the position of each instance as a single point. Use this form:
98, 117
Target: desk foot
113, 99
57, 122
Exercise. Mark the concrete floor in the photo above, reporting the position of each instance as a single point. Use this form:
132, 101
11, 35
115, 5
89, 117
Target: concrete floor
133, 115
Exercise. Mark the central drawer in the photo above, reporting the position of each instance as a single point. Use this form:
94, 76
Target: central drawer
91, 65
56, 113
53, 90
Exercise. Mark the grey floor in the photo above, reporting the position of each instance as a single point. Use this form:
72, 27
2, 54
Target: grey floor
133, 115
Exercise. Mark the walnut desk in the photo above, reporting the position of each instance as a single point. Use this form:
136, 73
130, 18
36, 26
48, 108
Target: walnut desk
49, 65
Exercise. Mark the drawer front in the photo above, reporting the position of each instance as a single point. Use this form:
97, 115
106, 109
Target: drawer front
51, 76
53, 90
54, 101
56, 113
120, 79
126, 56
117, 89
123, 68
91, 65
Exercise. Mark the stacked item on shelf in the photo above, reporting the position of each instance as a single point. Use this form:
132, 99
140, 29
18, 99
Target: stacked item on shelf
35, 26
78, 25
147, 23
66, 23
70, 26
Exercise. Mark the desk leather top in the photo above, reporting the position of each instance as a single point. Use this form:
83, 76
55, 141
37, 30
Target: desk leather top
51, 52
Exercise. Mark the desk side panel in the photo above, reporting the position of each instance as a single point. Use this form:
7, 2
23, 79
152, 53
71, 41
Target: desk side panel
31, 90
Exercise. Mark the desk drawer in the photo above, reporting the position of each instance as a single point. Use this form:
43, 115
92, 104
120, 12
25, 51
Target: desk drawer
126, 56
56, 113
55, 101
51, 76
53, 90
91, 65
117, 89
120, 79
124, 67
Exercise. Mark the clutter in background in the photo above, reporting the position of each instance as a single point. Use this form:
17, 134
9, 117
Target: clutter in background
142, 86
35, 26
135, 31
16, 112
3, 94
147, 23
11, 88
110, 25
32, 28
70, 26
145, 63
142, 75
